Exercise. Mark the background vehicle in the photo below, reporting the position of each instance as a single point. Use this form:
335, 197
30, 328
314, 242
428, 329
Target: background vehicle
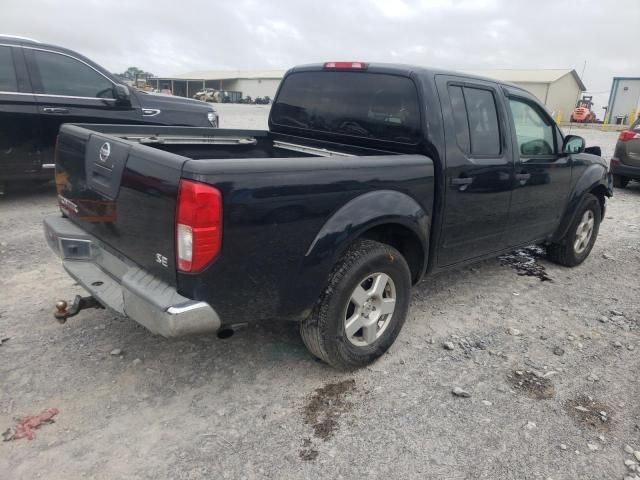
369, 177
625, 164
43, 86
583, 113
206, 95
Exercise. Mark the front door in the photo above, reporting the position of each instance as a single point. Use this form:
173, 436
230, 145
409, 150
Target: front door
479, 169
542, 179
72, 91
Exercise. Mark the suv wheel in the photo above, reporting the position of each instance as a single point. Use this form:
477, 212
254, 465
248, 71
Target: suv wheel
620, 181
362, 310
576, 245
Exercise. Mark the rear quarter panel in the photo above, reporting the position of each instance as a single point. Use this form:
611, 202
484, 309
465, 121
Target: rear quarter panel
274, 213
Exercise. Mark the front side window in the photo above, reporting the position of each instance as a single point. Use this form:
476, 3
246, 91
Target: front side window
476, 120
8, 82
534, 132
63, 75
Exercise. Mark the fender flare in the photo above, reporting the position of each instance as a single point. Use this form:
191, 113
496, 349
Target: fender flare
380, 207
594, 176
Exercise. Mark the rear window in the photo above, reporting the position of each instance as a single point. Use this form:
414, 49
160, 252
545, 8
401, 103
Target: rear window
369, 105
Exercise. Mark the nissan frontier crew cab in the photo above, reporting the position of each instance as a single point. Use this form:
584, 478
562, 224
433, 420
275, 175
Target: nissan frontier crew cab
369, 177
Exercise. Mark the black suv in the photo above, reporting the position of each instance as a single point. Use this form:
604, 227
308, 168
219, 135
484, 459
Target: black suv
43, 86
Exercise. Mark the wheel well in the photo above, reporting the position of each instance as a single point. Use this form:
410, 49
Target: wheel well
601, 193
403, 240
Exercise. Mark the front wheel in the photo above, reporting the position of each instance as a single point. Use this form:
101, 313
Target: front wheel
577, 243
620, 181
363, 308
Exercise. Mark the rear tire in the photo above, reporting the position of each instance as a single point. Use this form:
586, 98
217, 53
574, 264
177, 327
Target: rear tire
620, 181
363, 308
577, 243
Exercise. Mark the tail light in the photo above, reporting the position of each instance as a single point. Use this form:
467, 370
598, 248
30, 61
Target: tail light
198, 225
345, 66
627, 135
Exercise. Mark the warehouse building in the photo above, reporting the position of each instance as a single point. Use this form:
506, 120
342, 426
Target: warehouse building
252, 83
558, 90
624, 100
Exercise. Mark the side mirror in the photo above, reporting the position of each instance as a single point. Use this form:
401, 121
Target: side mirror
122, 94
573, 144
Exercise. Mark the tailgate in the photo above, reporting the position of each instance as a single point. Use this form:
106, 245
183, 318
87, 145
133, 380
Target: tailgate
122, 193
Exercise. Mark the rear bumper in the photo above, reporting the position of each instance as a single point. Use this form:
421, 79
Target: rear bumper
124, 288
618, 168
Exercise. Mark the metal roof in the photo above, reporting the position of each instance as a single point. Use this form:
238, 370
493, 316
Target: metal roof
227, 74
529, 75
503, 75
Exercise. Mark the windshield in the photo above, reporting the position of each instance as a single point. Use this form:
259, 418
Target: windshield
370, 105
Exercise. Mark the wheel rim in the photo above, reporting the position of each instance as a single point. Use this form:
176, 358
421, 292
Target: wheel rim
584, 232
370, 309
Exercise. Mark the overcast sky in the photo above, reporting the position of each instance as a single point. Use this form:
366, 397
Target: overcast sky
176, 36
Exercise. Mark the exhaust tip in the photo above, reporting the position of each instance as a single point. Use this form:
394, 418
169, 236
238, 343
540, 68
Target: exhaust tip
225, 333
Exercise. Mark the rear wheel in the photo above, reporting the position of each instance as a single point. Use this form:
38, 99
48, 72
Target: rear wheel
620, 181
362, 310
576, 245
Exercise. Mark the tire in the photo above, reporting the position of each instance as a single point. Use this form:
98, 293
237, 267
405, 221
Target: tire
569, 251
365, 265
620, 181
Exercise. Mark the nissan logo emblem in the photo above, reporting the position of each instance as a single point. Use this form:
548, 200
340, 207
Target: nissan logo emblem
105, 151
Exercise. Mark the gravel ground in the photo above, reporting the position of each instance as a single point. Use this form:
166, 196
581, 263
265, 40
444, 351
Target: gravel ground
550, 368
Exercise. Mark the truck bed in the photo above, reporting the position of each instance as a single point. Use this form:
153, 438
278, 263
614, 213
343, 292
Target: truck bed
275, 212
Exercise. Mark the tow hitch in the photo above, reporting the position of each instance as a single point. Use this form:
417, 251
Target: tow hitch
79, 303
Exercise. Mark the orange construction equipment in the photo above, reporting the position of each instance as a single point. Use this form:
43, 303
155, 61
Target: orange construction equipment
583, 113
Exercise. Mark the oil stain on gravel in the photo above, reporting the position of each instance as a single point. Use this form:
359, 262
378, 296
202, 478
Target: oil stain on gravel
525, 262
586, 411
533, 384
322, 411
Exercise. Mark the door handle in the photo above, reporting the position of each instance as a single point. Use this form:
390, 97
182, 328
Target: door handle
523, 177
55, 110
462, 182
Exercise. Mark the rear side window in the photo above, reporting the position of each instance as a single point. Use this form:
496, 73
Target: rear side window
476, 120
62, 75
370, 105
8, 82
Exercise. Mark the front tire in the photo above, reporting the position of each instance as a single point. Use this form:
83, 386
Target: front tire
577, 243
363, 308
620, 182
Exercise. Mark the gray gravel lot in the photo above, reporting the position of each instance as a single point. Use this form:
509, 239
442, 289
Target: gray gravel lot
258, 405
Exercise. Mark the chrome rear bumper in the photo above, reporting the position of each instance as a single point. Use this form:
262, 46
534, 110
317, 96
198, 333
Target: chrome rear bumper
124, 288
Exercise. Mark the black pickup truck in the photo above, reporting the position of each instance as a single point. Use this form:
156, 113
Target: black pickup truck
369, 177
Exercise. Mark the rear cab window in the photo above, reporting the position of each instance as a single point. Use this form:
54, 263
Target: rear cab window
369, 105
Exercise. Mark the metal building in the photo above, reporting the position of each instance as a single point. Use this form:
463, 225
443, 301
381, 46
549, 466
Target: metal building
624, 100
558, 90
252, 83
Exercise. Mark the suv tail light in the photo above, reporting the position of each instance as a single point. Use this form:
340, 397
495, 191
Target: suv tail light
345, 66
627, 135
198, 225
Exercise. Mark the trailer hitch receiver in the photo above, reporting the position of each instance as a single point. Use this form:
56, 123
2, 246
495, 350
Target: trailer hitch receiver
79, 303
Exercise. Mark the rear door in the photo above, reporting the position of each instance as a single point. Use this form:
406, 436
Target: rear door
479, 169
70, 90
19, 122
542, 179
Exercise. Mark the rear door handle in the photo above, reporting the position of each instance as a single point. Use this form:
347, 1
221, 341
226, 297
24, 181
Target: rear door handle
462, 182
55, 110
